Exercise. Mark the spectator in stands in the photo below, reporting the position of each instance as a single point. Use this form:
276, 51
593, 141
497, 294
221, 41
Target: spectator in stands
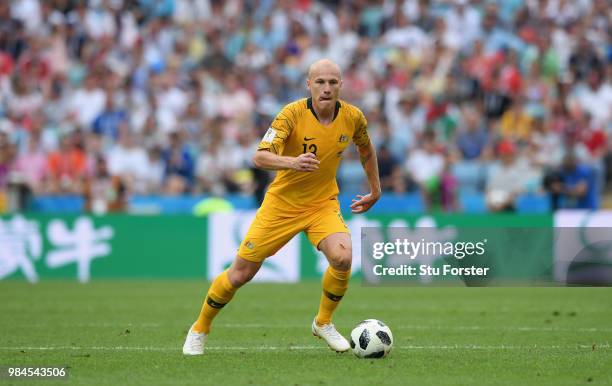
209, 169
350, 173
510, 75
67, 167
572, 143
110, 119
544, 143
179, 166
243, 178
24, 98
537, 92
407, 121
515, 123
31, 165
595, 97
584, 60
425, 166
576, 184
87, 102
505, 179
103, 192
449, 186
495, 99
129, 162
212, 71
154, 177
463, 21
473, 140
390, 171
6, 158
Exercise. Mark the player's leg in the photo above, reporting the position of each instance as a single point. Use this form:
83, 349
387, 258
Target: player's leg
338, 251
220, 293
329, 233
222, 290
266, 235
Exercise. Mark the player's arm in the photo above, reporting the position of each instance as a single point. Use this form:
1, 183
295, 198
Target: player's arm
264, 159
269, 153
367, 155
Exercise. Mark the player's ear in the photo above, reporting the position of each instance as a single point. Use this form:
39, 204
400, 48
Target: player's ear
308, 84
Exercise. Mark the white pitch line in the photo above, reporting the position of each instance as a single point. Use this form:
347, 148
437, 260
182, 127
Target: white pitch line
298, 348
502, 328
305, 326
94, 325
398, 327
435, 327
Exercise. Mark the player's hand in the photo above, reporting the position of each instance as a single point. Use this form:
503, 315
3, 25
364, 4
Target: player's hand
364, 203
307, 162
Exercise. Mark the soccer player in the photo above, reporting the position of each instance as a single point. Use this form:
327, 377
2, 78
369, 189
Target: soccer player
304, 143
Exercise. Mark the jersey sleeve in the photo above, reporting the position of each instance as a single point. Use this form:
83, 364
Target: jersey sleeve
361, 137
280, 129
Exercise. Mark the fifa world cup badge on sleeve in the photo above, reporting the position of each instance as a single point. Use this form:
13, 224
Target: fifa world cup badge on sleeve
270, 134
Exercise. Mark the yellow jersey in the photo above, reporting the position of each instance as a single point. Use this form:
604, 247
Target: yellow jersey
296, 130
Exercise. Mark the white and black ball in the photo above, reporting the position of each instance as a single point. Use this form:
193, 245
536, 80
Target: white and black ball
371, 338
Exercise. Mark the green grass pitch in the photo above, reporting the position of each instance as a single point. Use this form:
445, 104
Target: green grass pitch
131, 332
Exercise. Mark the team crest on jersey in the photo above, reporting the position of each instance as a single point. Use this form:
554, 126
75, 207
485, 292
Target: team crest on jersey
343, 138
249, 245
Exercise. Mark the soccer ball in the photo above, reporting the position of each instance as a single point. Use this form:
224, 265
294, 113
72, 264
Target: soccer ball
371, 339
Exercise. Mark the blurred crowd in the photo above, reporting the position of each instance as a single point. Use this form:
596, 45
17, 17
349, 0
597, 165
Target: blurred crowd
111, 98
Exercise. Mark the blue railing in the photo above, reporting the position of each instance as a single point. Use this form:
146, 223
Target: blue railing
469, 202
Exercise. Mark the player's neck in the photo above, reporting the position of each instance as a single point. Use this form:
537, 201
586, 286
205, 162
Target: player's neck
324, 115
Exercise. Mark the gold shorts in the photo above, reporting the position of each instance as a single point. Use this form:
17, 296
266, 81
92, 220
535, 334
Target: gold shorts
273, 228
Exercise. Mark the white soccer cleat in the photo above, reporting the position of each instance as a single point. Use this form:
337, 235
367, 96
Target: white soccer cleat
329, 333
194, 343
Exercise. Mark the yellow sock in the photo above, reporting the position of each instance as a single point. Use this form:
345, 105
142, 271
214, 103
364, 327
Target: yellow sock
219, 294
335, 284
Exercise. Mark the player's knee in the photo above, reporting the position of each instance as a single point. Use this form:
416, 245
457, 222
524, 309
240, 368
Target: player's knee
341, 257
240, 276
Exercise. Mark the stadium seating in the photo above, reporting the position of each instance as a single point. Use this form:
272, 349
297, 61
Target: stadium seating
389, 203
154, 204
57, 204
533, 203
472, 202
469, 175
